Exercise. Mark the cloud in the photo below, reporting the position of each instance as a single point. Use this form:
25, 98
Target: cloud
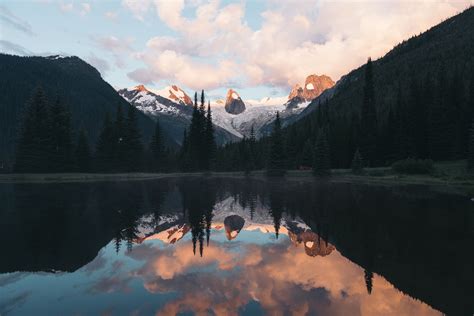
15, 22
82, 9
85, 8
66, 7
293, 40
111, 15
139, 8
279, 277
12, 48
114, 44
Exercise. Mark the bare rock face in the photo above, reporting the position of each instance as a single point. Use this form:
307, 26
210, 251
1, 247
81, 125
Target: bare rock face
233, 103
178, 95
313, 87
297, 91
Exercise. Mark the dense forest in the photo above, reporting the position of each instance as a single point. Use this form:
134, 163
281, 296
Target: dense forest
47, 142
416, 102
78, 85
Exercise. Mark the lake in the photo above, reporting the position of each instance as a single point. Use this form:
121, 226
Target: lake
219, 246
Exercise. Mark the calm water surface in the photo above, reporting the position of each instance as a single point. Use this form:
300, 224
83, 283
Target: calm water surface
234, 247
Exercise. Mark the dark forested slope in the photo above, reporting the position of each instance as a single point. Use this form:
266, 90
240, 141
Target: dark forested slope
78, 85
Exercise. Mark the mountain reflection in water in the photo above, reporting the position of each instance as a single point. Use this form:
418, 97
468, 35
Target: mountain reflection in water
230, 246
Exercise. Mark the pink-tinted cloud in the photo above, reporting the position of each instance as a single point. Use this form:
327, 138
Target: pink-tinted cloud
295, 39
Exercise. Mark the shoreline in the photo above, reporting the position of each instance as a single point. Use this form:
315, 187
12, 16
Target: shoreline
373, 176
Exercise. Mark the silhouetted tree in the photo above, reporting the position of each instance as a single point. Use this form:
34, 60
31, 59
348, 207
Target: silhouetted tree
307, 155
106, 146
33, 145
82, 153
157, 149
322, 163
368, 276
368, 124
470, 159
277, 161
60, 143
357, 163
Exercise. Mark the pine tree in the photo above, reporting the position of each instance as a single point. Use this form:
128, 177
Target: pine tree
184, 154
322, 163
357, 163
368, 276
470, 158
132, 145
210, 140
157, 149
60, 151
277, 161
307, 155
368, 124
194, 137
106, 147
34, 141
119, 161
82, 153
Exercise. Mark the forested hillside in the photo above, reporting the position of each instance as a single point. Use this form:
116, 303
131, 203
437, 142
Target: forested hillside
416, 101
77, 84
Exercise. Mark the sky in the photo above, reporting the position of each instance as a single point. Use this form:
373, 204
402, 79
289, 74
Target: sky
259, 48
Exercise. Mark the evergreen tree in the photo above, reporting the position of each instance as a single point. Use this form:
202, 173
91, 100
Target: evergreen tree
357, 163
440, 134
209, 137
82, 153
106, 147
307, 155
132, 145
368, 124
277, 161
184, 154
119, 160
322, 163
34, 142
368, 276
157, 149
60, 151
470, 158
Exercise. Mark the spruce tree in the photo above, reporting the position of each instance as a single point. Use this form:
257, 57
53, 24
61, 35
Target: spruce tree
368, 124
210, 139
106, 147
157, 149
60, 151
32, 153
307, 155
357, 164
132, 145
277, 161
322, 162
82, 153
470, 158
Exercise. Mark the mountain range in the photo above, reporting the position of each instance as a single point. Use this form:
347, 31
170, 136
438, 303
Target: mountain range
233, 117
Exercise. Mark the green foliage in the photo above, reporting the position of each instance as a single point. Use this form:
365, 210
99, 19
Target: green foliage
307, 155
82, 154
322, 163
277, 158
198, 149
157, 150
357, 164
87, 96
32, 147
470, 157
413, 166
368, 118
